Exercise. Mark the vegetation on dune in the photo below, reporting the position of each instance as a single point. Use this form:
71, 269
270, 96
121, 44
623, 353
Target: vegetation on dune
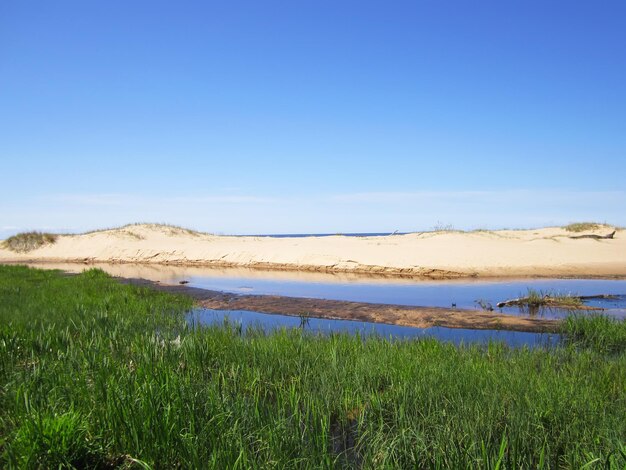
95, 373
165, 227
582, 226
28, 241
441, 227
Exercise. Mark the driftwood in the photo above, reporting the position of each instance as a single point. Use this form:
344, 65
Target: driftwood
513, 302
597, 237
598, 296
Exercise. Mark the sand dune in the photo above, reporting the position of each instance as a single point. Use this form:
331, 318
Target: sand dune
541, 252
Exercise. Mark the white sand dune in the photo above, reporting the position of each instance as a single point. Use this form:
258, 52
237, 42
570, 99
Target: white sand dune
541, 252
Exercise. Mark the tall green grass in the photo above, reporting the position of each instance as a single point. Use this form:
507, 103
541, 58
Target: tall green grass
596, 331
94, 373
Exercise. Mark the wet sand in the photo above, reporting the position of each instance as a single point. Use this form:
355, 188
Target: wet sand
420, 317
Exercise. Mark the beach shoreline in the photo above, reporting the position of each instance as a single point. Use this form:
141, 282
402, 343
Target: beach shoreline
364, 273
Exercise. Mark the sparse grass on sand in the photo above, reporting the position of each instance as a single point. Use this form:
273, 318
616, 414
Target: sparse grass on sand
583, 226
98, 374
167, 228
28, 241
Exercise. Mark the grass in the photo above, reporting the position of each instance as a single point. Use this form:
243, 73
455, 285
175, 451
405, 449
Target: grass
170, 229
535, 299
596, 331
441, 227
582, 226
98, 374
28, 241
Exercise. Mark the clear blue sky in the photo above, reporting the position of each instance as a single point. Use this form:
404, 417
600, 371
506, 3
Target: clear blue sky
311, 116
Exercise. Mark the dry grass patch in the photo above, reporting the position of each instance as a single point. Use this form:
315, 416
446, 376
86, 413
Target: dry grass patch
583, 226
168, 229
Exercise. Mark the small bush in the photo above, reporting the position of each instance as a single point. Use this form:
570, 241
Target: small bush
28, 241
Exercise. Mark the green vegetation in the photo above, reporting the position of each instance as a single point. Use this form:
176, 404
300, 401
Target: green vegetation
582, 226
98, 374
596, 331
28, 241
535, 299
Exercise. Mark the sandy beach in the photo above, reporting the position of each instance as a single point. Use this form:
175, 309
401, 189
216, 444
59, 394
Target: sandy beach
546, 252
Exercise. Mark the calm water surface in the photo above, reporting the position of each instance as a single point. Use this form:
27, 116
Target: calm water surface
268, 323
465, 294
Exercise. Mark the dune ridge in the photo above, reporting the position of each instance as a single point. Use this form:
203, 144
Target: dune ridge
434, 255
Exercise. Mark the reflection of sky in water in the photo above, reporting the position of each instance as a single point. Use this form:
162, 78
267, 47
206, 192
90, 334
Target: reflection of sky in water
464, 293
439, 294
324, 326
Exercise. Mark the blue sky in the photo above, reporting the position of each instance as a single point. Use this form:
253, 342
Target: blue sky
312, 116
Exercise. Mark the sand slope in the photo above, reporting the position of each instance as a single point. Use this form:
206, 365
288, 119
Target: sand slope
541, 252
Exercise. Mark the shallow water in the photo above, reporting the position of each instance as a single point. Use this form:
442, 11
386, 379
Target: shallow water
268, 323
465, 293
419, 293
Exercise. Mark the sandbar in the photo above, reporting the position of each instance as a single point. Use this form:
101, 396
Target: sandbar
419, 317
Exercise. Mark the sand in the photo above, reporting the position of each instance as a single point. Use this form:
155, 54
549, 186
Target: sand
546, 252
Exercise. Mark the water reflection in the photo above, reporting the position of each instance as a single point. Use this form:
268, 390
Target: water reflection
245, 319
